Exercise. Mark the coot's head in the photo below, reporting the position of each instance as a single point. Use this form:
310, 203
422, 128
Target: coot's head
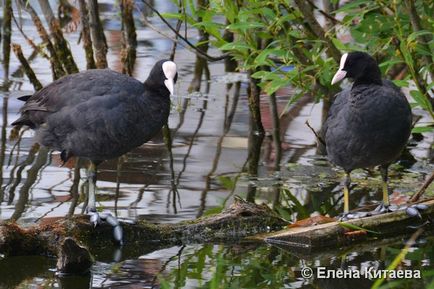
359, 66
163, 74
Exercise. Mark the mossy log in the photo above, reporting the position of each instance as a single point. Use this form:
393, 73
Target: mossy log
337, 234
238, 221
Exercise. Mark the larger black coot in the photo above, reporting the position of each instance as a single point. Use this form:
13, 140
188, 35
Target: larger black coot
100, 114
368, 124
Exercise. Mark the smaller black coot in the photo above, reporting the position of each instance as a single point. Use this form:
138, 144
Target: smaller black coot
368, 124
99, 114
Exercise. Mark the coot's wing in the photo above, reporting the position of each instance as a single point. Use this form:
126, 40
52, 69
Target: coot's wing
338, 102
72, 90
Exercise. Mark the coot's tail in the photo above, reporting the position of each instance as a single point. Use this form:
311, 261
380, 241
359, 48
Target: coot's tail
23, 119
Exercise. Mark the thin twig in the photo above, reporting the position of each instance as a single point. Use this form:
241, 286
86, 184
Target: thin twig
198, 51
318, 137
422, 190
325, 14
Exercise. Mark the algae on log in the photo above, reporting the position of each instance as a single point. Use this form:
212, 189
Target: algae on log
241, 219
337, 234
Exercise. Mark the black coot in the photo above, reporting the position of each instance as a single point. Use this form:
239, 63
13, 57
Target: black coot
368, 124
99, 114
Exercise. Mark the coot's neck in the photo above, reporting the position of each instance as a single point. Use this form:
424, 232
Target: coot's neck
160, 89
371, 75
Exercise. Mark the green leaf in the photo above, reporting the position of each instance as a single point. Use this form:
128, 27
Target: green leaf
276, 84
400, 83
237, 45
339, 45
213, 211
422, 129
356, 228
245, 25
301, 210
414, 35
421, 100
227, 182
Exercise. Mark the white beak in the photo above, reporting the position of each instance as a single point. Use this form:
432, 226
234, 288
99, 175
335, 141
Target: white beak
169, 83
340, 74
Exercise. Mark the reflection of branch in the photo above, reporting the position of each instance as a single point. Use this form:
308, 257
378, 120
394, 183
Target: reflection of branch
3, 142
178, 256
32, 174
28, 161
26, 67
198, 51
228, 117
174, 188
134, 204
43, 34
193, 138
120, 162
29, 41
74, 188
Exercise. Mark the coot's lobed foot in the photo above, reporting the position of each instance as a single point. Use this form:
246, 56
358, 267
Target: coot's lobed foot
382, 209
97, 218
353, 215
415, 210
117, 228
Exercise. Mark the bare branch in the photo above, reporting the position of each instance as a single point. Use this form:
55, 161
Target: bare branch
199, 52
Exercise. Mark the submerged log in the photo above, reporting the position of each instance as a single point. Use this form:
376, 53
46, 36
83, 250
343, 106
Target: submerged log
336, 233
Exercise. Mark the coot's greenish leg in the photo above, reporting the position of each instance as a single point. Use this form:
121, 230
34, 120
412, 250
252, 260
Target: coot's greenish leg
384, 177
347, 184
384, 207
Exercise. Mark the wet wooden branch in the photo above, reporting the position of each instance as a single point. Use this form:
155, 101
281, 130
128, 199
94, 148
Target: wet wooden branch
422, 190
198, 51
256, 131
316, 28
416, 25
335, 234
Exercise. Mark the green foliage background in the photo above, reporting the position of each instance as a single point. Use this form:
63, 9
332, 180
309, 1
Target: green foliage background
270, 36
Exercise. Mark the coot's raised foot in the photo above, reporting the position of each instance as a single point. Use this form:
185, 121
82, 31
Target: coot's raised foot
97, 218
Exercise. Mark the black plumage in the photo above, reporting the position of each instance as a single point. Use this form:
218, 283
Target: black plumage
98, 114
368, 124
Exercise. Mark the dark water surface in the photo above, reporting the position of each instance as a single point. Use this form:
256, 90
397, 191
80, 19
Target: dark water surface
210, 131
